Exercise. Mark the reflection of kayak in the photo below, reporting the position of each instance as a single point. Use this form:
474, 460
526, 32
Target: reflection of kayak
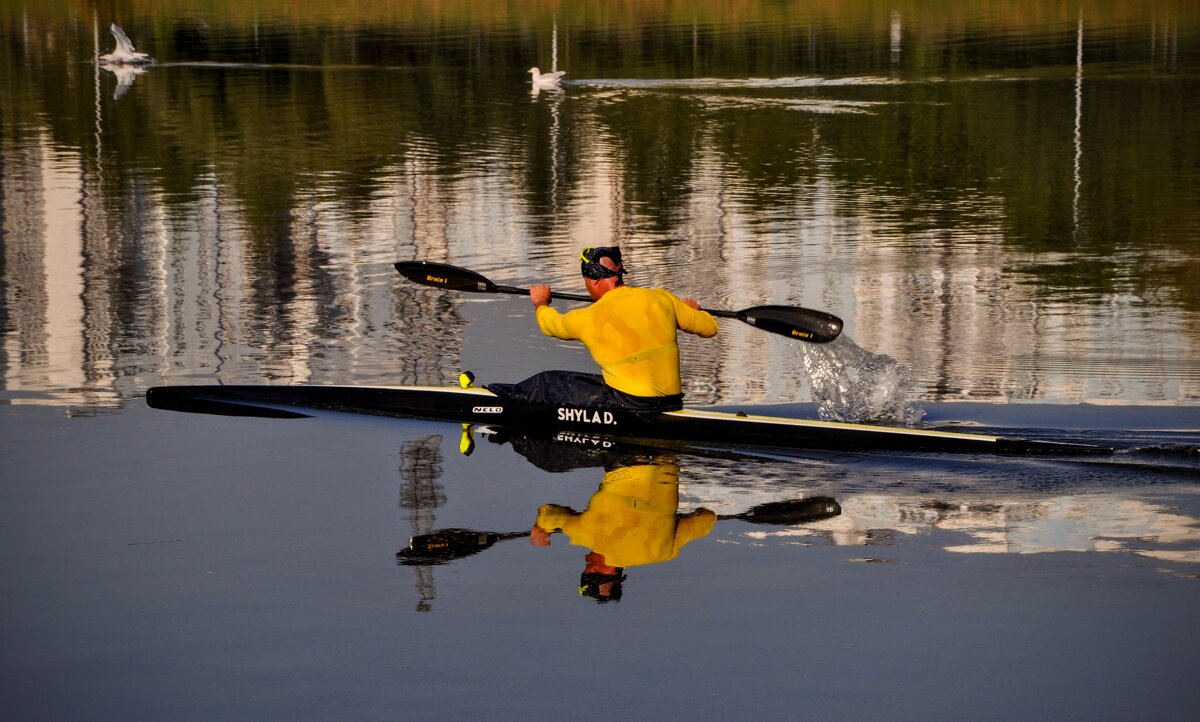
687, 426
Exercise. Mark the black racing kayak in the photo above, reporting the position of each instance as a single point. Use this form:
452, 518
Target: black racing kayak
689, 426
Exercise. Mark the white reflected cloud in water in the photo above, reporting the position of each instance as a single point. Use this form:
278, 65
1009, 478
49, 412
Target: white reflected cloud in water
1073, 523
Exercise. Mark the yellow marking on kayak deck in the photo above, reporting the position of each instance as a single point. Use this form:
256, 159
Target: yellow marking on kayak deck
835, 425
440, 389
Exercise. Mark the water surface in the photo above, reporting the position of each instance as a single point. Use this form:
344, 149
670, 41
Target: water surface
1004, 204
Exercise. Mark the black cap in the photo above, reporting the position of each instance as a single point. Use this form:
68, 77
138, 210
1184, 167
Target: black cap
589, 262
591, 583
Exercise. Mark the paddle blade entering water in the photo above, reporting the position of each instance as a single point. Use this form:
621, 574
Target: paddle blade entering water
804, 324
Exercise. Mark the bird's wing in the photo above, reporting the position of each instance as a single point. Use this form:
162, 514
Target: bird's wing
123, 42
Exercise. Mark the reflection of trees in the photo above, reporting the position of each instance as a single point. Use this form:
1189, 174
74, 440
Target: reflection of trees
209, 188
199, 232
656, 139
935, 148
421, 494
556, 140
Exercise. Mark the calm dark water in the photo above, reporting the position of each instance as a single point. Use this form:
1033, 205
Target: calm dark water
199, 567
1001, 202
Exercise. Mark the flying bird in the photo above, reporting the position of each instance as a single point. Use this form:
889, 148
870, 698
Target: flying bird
124, 54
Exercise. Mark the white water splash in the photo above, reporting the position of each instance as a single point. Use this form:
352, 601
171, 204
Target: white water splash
852, 384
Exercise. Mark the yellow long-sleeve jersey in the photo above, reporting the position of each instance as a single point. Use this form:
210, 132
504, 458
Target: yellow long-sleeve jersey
631, 519
632, 335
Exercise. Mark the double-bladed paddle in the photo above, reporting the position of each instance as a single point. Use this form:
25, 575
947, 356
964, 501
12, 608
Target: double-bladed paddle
804, 324
447, 545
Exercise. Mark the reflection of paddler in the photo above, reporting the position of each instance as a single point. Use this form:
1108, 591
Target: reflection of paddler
632, 518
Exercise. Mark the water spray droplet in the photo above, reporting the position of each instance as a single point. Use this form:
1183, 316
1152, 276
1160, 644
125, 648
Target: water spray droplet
854, 385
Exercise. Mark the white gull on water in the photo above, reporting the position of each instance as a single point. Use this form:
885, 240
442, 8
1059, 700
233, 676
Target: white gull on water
124, 54
546, 80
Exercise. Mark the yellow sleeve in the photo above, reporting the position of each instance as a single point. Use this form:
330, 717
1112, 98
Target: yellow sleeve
553, 517
689, 319
693, 526
557, 324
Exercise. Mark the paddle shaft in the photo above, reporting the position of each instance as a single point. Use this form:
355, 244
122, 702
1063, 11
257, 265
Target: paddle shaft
803, 324
518, 291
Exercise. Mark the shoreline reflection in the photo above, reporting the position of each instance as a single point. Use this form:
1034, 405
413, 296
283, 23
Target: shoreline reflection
1006, 522
1067, 523
421, 493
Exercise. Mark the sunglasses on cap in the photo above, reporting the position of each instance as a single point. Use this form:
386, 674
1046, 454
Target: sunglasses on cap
590, 266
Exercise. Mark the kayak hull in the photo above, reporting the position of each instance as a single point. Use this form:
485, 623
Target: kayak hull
686, 426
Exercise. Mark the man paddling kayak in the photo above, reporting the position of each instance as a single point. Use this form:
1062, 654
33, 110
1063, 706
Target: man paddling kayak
631, 334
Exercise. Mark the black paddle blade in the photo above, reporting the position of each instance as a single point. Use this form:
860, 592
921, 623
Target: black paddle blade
443, 275
792, 511
447, 545
804, 324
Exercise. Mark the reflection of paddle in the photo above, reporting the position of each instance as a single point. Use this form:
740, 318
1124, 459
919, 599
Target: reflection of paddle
447, 545
791, 321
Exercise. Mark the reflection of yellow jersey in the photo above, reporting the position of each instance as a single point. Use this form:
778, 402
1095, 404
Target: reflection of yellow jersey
631, 519
631, 333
